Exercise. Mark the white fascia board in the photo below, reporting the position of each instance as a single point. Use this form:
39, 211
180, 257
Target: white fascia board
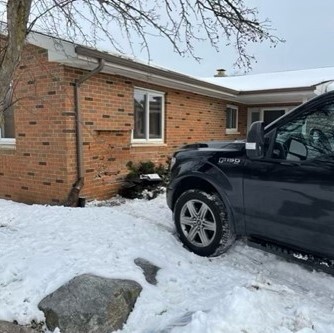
58, 50
276, 98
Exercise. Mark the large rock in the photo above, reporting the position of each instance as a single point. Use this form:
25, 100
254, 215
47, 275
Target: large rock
6, 327
89, 304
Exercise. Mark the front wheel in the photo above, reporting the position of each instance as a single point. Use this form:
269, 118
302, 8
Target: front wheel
201, 221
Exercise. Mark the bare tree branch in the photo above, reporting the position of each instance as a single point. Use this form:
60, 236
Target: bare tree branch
182, 22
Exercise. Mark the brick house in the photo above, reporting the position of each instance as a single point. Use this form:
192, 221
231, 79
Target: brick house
83, 114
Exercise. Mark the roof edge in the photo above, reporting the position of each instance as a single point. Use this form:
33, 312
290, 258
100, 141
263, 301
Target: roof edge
132, 64
277, 90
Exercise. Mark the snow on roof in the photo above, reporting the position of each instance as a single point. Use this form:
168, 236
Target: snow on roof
278, 80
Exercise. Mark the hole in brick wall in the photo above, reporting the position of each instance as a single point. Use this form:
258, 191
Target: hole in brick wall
68, 114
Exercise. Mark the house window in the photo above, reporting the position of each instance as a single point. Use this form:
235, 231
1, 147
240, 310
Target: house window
7, 125
267, 115
272, 114
148, 116
231, 119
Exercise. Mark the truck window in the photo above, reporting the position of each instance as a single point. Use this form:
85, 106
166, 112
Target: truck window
309, 136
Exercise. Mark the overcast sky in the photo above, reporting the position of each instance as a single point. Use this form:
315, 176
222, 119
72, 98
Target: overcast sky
306, 25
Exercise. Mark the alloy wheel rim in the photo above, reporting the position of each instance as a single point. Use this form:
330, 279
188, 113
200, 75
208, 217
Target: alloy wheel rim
198, 223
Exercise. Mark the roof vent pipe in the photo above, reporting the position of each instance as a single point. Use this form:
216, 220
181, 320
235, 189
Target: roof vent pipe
220, 72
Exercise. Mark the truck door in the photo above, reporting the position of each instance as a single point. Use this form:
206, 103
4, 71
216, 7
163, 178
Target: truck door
289, 194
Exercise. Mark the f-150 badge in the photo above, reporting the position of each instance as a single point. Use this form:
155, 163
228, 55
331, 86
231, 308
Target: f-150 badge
223, 160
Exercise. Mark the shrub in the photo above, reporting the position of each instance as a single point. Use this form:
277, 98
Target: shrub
135, 187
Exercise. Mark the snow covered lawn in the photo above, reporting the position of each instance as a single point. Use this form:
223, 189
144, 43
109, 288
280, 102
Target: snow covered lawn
244, 291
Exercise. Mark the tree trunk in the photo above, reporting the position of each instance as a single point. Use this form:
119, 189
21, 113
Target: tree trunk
12, 43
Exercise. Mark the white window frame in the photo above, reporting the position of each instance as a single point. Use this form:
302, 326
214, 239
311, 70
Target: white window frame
147, 140
6, 142
233, 130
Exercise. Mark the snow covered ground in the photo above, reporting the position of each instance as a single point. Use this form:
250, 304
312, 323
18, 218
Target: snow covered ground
243, 291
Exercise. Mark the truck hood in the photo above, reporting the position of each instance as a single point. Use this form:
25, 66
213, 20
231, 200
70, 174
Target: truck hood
228, 146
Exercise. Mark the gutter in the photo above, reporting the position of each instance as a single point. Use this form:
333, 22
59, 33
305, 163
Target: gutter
73, 198
133, 65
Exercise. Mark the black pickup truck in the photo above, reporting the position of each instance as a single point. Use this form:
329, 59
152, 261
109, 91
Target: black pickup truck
276, 189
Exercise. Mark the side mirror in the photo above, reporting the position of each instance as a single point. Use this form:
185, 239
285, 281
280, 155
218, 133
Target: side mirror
255, 141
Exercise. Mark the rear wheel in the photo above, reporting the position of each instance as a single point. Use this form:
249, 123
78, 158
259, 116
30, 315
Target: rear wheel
202, 223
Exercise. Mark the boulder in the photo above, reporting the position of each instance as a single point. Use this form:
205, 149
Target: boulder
7, 327
150, 270
89, 304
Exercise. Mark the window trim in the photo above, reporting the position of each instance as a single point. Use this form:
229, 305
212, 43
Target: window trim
235, 129
154, 141
7, 143
11, 141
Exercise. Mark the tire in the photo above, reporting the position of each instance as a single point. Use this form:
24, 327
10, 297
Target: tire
202, 224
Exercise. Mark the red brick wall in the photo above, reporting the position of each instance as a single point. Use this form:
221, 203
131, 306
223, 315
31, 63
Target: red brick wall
107, 111
36, 170
43, 166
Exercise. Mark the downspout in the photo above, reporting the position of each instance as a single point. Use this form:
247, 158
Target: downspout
73, 199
